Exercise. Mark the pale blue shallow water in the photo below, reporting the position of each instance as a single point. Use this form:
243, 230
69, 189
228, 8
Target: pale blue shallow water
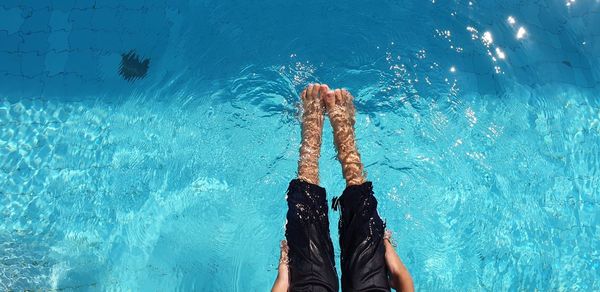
478, 122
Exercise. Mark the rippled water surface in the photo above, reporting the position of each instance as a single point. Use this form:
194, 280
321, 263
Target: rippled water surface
478, 122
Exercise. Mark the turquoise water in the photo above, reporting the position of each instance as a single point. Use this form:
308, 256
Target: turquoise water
478, 122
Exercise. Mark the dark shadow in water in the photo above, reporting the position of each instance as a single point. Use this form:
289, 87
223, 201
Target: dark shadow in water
132, 67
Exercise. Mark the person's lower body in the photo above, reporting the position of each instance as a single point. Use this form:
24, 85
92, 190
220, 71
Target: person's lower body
311, 257
311, 265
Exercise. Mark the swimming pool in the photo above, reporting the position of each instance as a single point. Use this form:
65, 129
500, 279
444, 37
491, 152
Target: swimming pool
478, 122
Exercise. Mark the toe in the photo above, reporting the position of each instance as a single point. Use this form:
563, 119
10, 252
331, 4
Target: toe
309, 90
314, 93
347, 96
339, 98
303, 94
329, 99
323, 90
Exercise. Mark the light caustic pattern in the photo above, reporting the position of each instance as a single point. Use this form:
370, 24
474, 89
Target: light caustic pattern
101, 195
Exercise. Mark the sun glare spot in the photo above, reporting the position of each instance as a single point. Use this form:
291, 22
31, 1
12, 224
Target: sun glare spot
487, 38
521, 33
501, 55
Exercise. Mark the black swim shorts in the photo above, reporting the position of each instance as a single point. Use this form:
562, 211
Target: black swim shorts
361, 240
312, 265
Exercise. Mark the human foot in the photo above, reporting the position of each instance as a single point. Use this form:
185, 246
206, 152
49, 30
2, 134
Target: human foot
312, 130
342, 116
282, 283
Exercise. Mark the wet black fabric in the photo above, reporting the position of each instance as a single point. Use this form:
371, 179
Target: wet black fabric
361, 241
312, 265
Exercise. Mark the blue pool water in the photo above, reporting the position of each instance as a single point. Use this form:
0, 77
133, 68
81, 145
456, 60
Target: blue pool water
478, 122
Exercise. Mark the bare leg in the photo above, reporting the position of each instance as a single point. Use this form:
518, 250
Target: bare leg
311, 264
341, 114
282, 283
312, 131
360, 228
400, 278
